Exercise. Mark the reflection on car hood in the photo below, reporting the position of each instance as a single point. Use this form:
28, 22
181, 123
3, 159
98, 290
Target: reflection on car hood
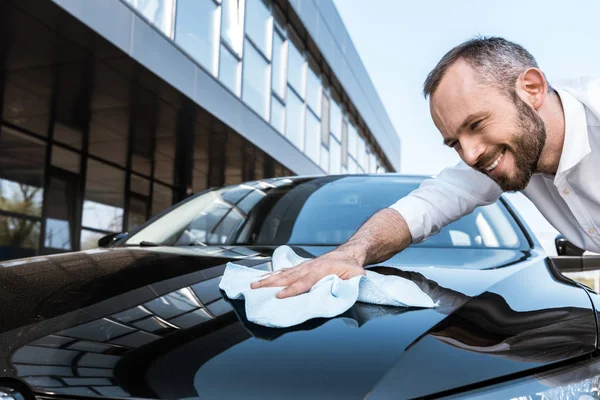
152, 323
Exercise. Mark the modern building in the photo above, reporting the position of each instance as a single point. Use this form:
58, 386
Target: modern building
112, 110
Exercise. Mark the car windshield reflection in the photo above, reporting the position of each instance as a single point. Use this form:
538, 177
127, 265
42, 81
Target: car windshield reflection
322, 211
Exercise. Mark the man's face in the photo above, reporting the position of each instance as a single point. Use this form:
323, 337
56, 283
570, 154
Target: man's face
493, 132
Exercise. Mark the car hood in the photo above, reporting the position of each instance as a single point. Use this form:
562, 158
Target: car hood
152, 323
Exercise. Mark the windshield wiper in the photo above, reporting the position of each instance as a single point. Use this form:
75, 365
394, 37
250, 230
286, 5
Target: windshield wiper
145, 243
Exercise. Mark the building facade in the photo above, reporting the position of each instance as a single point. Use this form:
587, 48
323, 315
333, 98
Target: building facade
113, 110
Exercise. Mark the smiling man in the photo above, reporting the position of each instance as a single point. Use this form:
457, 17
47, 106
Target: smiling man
513, 132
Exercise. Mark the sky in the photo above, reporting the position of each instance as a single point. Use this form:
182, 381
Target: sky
401, 41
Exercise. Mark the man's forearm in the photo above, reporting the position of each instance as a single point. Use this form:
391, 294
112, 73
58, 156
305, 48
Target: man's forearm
379, 238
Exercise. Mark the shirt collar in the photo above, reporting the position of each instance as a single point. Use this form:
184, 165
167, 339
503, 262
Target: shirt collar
576, 142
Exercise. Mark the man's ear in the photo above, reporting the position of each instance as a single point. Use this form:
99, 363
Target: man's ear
533, 87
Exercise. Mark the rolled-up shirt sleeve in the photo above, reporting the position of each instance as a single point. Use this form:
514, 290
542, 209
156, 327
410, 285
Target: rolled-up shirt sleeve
438, 201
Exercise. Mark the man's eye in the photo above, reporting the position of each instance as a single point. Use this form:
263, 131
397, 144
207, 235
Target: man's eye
474, 125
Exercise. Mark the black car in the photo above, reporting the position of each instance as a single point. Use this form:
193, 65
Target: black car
144, 317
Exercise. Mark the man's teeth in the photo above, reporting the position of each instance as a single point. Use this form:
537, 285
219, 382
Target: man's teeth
495, 163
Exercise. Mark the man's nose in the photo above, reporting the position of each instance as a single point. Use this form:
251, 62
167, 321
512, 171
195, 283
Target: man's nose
472, 152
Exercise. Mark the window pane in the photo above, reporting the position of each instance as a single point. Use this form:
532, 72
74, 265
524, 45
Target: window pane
336, 120
256, 91
162, 198
89, 239
372, 163
139, 185
137, 213
197, 31
352, 166
104, 197
277, 115
232, 29
279, 64
335, 156
325, 120
352, 140
362, 153
294, 128
158, 12
313, 91
18, 237
58, 234
344, 144
21, 173
65, 159
259, 25
229, 71
164, 151
20, 198
27, 97
324, 159
296, 69
313, 137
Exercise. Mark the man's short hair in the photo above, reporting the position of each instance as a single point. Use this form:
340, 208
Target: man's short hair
496, 60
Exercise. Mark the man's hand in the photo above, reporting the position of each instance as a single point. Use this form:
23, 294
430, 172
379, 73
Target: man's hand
302, 278
379, 238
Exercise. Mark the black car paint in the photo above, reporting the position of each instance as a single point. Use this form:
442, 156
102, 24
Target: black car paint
488, 299
381, 351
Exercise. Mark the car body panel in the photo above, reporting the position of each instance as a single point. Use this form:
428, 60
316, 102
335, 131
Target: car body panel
152, 323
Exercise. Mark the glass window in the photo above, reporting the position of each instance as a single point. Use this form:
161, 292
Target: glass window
57, 235
277, 114
232, 28
313, 137
138, 207
256, 80
21, 173
372, 163
313, 91
229, 70
61, 210
164, 150
352, 140
27, 93
336, 120
324, 163
294, 127
109, 130
335, 156
352, 166
296, 69
89, 239
65, 159
158, 12
104, 197
197, 31
19, 237
259, 25
139, 185
362, 153
318, 211
279, 64
344, 144
325, 120
162, 198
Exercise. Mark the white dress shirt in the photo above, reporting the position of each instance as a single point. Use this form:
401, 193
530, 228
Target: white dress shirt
570, 200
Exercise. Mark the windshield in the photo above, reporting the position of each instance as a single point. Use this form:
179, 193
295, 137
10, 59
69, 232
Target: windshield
312, 211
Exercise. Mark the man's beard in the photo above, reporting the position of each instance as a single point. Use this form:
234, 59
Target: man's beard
526, 147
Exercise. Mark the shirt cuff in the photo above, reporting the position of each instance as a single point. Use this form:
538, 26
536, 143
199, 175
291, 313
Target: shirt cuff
414, 213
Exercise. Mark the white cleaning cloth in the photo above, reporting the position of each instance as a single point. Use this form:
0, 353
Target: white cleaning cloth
329, 297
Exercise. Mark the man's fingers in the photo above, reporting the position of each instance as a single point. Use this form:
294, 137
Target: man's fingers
302, 285
283, 278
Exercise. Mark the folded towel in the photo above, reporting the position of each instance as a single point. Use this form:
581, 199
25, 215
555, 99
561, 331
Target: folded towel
329, 297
